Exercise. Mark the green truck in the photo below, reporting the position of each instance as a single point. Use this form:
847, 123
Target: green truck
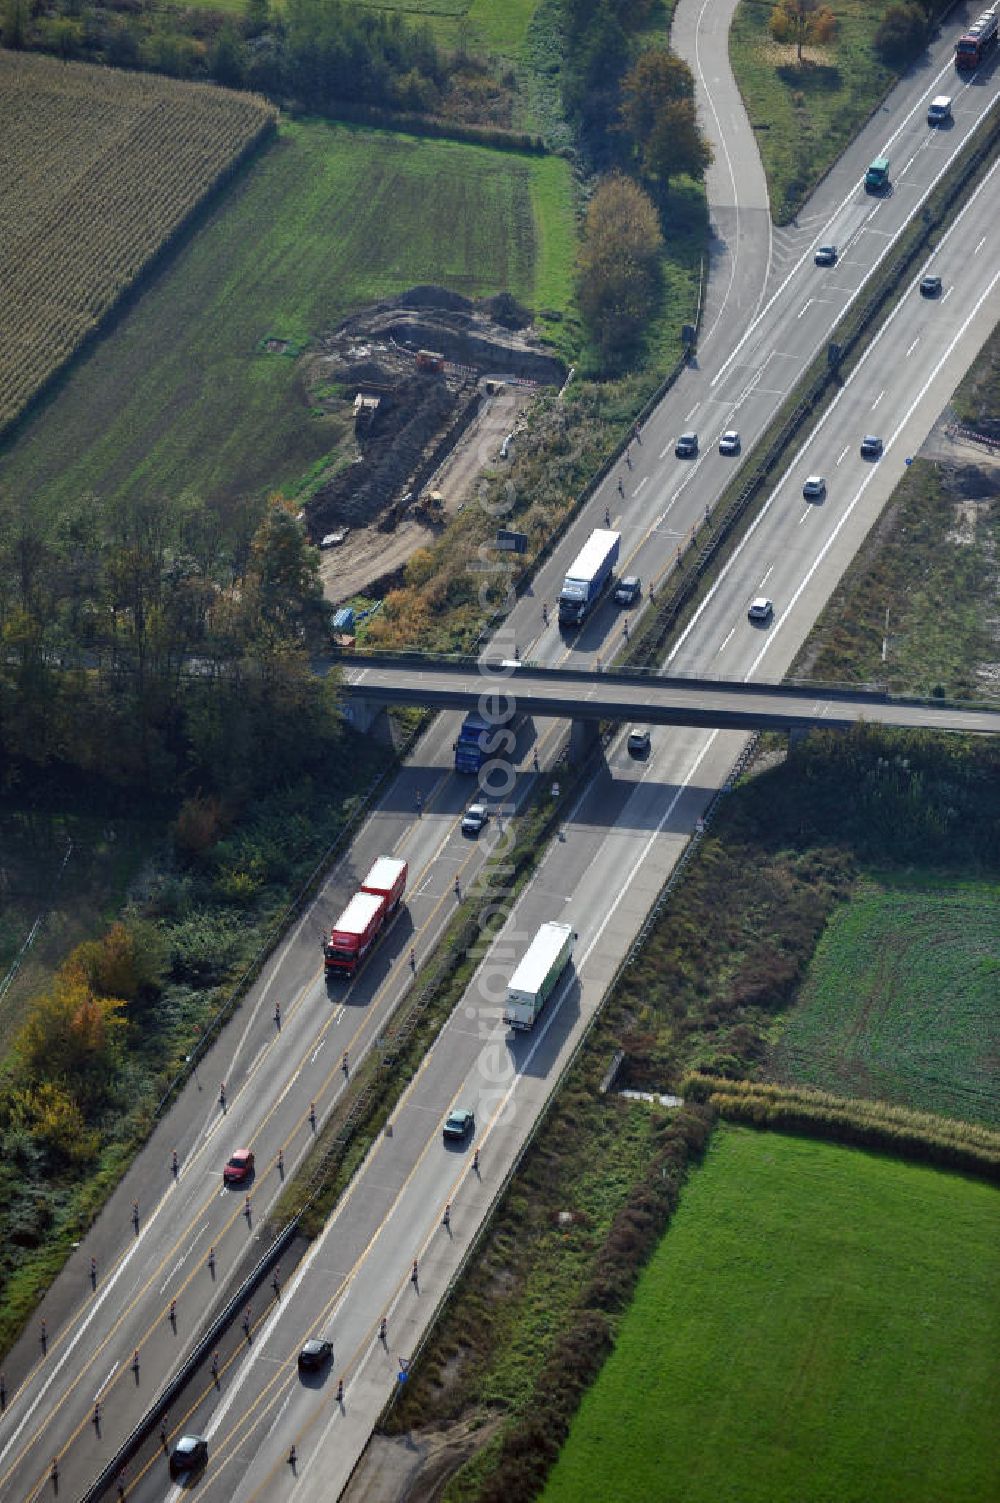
877, 176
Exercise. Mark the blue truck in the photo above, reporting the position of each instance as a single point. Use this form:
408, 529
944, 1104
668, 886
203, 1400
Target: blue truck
483, 737
588, 575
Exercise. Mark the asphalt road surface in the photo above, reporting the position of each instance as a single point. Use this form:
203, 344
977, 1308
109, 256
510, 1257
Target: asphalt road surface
621, 839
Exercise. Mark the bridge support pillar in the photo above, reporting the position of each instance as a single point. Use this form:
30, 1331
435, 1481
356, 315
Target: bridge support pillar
584, 736
371, 718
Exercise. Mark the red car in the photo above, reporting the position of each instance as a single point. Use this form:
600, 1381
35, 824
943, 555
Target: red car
239, 1168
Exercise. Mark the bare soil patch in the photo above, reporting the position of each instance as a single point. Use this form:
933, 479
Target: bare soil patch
437, 384
415, 1468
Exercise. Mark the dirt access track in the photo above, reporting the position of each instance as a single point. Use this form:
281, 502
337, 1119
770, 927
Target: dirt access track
437, 385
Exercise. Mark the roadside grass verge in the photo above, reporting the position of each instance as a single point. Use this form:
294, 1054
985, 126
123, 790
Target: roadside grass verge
900, 999
802, 1332
180, 395
977, 400
804, 115
915, 610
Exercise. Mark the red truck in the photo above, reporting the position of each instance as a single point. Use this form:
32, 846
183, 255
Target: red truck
365, 916
980, 39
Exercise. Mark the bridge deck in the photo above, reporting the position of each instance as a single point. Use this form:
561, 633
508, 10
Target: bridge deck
716, 704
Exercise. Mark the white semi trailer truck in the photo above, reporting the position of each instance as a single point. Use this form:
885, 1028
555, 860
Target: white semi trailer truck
535, 977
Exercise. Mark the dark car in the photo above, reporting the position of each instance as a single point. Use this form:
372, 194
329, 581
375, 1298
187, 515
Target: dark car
314, 1355
459, 1124
871, 447
686, 446
628, 590
930, 286
826, 256
638, 741
189, 1454
239, 1168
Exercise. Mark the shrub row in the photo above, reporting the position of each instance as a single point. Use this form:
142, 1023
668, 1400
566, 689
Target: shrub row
419, 124
920, 1136
532, 1442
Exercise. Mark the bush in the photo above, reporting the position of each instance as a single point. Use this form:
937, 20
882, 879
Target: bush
920, 1136
200, 824
206, 947
619, 274
903, 34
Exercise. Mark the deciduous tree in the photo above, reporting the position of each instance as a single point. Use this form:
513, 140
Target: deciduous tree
801, 21
49, 1113
72, 1036
902, 33
618, 279
658, 114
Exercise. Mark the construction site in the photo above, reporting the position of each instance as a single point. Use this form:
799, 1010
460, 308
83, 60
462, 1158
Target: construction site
438, 385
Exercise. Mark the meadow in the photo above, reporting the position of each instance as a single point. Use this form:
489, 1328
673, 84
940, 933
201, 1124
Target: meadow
899, 1003
802, 1332
98, 169
182, 393
805, 115
499, 27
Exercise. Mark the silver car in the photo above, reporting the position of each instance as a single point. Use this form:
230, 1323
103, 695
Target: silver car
474, 819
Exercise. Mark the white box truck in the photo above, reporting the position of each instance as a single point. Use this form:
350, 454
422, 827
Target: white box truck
535, 978
588, 575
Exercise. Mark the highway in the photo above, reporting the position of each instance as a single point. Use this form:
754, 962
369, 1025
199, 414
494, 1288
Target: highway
622, 836
570, 694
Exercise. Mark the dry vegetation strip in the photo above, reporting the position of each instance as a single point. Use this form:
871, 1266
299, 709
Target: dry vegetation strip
907, 1134
98, 169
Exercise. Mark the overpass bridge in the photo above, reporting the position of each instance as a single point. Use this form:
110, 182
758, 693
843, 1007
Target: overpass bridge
370, 684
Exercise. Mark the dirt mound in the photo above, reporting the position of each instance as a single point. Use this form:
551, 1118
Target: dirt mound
975, 482
429, 296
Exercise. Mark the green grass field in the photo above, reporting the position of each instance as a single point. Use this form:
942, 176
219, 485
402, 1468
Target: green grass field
493, 26
900, 1000
180, 395
819, 1325
803, 117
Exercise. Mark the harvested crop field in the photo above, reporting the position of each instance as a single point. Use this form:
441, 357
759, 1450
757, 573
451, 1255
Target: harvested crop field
818, 1323
900, 1000
199, 385
98, 169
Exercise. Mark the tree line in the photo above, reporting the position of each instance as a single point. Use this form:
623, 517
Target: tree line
315, 54
642, 125
142, 648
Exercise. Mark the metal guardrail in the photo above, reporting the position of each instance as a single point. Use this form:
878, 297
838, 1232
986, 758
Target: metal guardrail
857, 324
176, 1385
475, 1241
455, 952
306, 892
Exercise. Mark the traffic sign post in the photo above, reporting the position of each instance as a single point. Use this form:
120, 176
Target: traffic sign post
511, 542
